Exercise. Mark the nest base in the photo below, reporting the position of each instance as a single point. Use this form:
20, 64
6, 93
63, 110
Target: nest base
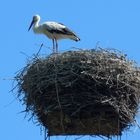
100, 121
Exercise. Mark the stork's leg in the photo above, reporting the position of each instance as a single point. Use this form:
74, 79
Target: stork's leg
56, 45
53, 46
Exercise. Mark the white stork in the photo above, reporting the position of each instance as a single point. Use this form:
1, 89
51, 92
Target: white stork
52, 30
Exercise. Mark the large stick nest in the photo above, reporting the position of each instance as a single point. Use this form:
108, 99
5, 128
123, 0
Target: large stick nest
85, 92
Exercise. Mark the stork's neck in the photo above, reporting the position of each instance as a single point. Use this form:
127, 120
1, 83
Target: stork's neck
36, 27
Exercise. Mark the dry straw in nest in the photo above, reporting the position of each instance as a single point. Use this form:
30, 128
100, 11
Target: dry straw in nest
85, 92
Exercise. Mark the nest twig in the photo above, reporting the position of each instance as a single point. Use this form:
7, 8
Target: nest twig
86, 92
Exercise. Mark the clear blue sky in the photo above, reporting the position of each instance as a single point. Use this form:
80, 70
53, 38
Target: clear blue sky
114, 23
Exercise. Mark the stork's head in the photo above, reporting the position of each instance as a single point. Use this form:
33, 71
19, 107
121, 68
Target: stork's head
34, 20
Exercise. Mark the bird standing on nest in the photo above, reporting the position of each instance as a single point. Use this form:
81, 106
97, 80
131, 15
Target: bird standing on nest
52, 30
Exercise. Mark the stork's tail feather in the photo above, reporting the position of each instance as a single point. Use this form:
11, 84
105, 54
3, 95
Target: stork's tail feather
75, 38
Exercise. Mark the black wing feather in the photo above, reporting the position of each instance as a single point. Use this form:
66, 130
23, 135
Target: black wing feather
65, 31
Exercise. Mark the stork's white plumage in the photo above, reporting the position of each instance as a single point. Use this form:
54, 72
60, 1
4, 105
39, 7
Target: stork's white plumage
52, 30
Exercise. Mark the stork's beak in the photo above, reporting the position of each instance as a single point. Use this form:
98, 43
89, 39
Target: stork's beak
31, 25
